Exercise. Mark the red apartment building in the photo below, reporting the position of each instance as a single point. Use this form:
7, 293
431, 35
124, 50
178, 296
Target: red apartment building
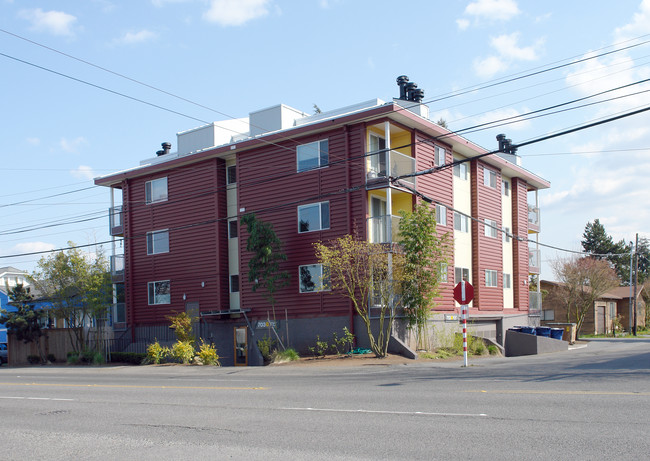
315, 178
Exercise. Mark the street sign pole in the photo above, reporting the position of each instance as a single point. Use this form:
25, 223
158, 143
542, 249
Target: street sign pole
464, 317
463, 295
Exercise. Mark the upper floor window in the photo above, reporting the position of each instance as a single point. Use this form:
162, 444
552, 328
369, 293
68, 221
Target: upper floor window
505, 187
234, 283
313, 278
460, 171
156, 190
232, 229
314, 217
158, 242
460, 274
441, 215
490, 228
506, 234
439, 156
506, 281
489, 178
159, 292
490, 278
461, 222
231, 174
312, 155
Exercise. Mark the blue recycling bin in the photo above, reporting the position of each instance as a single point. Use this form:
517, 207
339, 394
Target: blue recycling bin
528, 330
543, 331
557, 333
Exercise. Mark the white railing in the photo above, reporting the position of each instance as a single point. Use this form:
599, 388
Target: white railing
534, 261
533, 217
390, 163
115, 219
383, 229
117, 265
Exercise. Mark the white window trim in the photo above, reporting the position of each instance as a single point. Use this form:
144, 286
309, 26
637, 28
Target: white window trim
319, 286
236, 229
149, 299
461, 168
462, 269
150, 235
507, 286
490, 228
488, 173
491, 278
317, 147
439, 156
444, 272
505, 187
320, 216
441, 215
506, 234
462, 219
148, 191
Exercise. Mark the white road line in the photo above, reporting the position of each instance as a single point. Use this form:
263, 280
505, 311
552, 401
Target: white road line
386, 412
36, 398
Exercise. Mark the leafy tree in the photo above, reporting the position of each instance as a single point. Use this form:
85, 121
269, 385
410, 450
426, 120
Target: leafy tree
424, 259
182, 326
363, 271
24, 322
80, 289
264, 265
582, 282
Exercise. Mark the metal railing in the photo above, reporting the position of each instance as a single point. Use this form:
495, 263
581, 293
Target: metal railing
534, 261
390, 163
533, 217
383, 229
115, 220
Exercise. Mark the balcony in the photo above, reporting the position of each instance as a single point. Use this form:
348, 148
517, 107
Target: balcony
115, 219
534, 304
119, 316
534, 261
379, 168
533, 219
383, 229
117, 268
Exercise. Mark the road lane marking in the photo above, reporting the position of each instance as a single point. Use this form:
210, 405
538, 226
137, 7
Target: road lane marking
36, 398
521, 391
385, 412
128, 386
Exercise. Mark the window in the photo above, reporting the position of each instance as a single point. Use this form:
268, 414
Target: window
506, 234
231, 174
377, 161
461, 222
156, 190
490, 228
460, 274
506, 281
232, 229
234, 283
312, 155
460, 171
441, 215
490, 278
439, 156
489, 178
313, 278
444, 270
612, 310
158, 242
314, 217
159, 292
505, 187
548, 314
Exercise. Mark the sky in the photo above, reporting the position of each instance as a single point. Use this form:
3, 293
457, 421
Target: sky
80, 94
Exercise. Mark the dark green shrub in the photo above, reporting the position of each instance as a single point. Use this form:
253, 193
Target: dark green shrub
51, 358
134, 358
33, 359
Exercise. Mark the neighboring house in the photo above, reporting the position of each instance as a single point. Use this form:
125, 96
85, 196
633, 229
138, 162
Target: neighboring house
623, 309
10, 277
314, 178
4, 305
600, 319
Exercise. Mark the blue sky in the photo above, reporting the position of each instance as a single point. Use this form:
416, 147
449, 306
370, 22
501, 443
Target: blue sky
234, 57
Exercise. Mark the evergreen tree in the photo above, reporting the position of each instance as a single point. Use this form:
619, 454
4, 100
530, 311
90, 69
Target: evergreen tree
24, 323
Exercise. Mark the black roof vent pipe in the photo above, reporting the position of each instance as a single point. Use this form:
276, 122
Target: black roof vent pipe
160, 152
402, 80
166, 147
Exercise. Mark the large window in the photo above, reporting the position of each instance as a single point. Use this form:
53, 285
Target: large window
156, 190
439, 156
158, 242
441, 215
490, 228
313, 278
489, 178
461, 222
460, 274
314, 217
460, 171
312, 155
490, 278
159, 292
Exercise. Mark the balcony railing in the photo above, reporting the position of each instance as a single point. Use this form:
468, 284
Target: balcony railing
115, 219
534, 304
389, 163
117, 268
383, 229
533, 219
534, 261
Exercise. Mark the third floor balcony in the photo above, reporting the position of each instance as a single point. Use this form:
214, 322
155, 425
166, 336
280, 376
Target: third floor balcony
533, 219
115, 221
117, 268
384, 164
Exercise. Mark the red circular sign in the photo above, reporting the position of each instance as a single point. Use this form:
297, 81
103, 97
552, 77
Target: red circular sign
458, 293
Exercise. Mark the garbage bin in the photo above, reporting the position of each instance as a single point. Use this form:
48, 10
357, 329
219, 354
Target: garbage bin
543, 331
529, 330
557, 333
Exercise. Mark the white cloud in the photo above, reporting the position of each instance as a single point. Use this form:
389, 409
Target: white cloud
33, 141
31, 247
493, 10
53, 22
462, 24
508, 51
487, 67
73, 145
161, 3
136, 37
235, 12
640, 24
83, 172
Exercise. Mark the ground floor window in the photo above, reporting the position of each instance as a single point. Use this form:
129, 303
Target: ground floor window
159, 292
313, 278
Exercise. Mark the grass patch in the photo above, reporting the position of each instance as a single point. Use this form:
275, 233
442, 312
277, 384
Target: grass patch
287, 355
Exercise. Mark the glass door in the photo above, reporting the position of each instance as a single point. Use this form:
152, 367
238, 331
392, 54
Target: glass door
241, 347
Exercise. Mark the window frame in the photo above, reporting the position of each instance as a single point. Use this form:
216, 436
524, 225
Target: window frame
149, 191
444, 272
323, 281
439, 156
232, 224
490, 228
505, 187
507, 278
488, 174
321, 214
461, 219
463, 270
151, 292
491, 278
322, 155
151, 242
506, 234
230, 168
233, 283
441, 210
461, 171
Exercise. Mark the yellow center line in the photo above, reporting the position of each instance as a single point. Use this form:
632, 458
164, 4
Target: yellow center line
127, 386
521, 391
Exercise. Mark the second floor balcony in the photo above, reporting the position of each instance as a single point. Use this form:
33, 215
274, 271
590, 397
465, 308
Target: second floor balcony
534, 261
117, 268
383, 229
115, 221
384, 164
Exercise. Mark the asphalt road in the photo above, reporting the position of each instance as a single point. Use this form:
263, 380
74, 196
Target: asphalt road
589, 403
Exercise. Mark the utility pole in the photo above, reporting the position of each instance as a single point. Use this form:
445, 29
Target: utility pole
636, 278
629, 304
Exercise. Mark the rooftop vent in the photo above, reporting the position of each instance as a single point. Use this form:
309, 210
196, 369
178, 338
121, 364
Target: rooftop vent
166, 148
408, 91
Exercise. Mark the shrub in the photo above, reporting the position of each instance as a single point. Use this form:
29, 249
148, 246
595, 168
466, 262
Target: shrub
87, 356
493, 350
287, 355
98, 359
182, 351
182, 326
33, 359
72, 358
155, 353
51, 358
128, 357
265, 346
207, 354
